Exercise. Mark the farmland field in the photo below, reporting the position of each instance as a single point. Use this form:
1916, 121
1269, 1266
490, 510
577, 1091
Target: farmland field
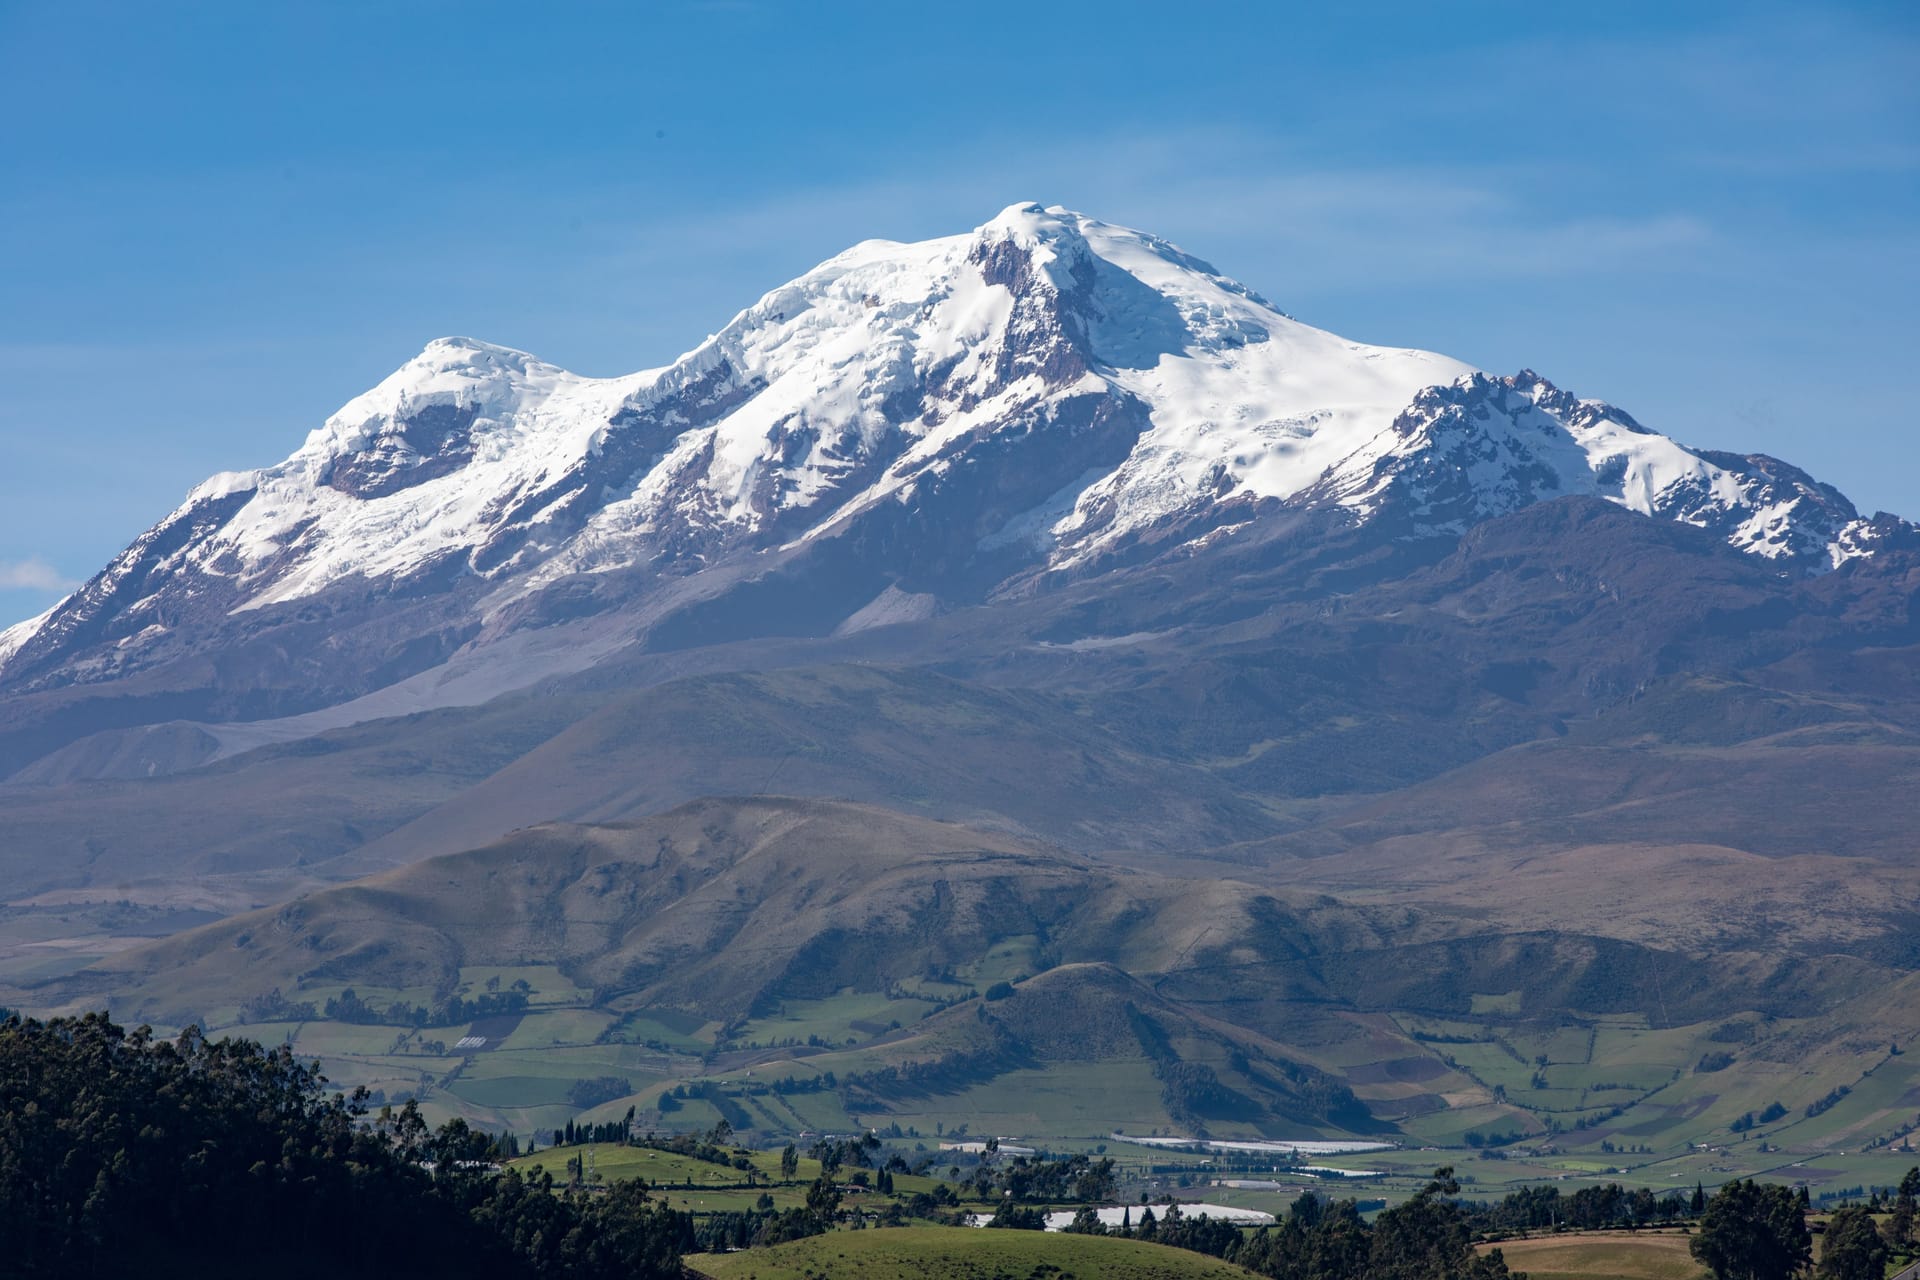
559, 1027
959, 1253
613, 1162
850, 1016
1603, 1256
1088, 1099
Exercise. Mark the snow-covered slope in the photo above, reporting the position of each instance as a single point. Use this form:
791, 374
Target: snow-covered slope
20, 632
416, 469
1483, 446
1032, 397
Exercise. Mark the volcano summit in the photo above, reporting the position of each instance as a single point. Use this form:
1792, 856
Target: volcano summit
914, 427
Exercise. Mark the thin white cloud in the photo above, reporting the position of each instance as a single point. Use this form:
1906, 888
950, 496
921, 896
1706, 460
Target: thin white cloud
33, 574
1238, 200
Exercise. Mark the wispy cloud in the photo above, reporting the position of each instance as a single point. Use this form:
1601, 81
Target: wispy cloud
33, 574
1241, 200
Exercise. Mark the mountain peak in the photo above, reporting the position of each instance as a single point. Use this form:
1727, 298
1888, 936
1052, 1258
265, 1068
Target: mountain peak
1048, 394
456, 364
455, 344
1021, 214
1033, 223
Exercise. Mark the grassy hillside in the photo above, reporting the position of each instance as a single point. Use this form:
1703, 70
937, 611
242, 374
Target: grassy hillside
790, 965
961, 1253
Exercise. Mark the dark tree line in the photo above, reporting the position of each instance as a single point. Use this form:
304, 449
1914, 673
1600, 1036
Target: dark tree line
619, 1132
833, 1153
871, 1090
805, 1084
121, 1153
1853, 1249
1900, 1227
349, 1007
1430, 1237
1024, 1178
1772, 1111
1544, 1208
1753, 1231
1746, 1231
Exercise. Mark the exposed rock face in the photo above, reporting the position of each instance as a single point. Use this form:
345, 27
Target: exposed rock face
435, 441
1484, 446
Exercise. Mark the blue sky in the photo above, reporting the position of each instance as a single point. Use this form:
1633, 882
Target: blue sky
220, 221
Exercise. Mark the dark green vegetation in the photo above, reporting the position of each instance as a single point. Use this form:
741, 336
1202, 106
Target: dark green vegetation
1853, 1248
1753, 1231
1427, 1236
200, 1159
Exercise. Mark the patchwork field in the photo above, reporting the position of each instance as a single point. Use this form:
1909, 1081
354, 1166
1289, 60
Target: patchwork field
1507, 1100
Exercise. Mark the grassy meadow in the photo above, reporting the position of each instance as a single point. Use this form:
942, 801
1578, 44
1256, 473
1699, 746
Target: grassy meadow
960, 1253
1604, 1255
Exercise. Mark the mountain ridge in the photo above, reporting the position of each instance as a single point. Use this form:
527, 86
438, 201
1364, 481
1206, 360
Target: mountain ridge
1034, 401
1263, 1004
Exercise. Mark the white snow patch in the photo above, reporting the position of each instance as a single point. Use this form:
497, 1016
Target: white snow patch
890, 608
17, 635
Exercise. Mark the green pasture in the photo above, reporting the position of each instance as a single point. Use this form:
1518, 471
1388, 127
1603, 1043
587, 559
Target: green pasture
614, 1162
848, 1016
822, 1112
513, 1092
679, 1031
1081, 1098
548, 986
326, 1039
557, 1027
1604, 1256
577, 1062
961, 1253
1606, 1085
1007, 961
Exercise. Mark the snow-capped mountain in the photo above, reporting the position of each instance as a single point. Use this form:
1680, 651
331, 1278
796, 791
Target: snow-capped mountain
1029, 401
